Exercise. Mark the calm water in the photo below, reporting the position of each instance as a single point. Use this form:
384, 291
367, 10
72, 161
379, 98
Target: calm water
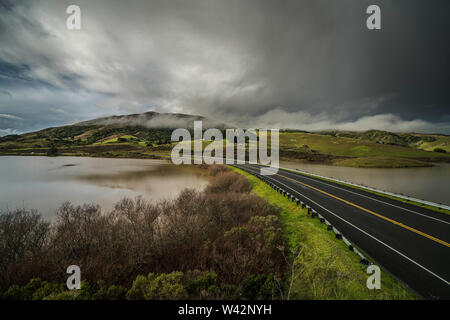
432, 184
44, 183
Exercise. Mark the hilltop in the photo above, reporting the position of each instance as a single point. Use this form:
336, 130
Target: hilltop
428, 142
136, 135
147, 135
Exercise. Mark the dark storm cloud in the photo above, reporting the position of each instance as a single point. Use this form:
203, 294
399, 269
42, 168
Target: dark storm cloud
298, 64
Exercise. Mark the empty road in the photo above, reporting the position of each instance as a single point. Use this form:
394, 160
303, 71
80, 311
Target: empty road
411, 242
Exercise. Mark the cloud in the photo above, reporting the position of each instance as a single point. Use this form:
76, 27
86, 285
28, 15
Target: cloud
279, 118
234, 61
10, 116
8, 131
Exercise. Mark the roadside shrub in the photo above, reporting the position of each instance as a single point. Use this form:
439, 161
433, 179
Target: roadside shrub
165, 287
116, 292
229, 182
138, 289
23, 239
46, 289
259, 286
216, 169
204, 286
224, 232
16, 292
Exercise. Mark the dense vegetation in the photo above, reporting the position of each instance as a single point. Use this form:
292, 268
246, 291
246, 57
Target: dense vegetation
220, 243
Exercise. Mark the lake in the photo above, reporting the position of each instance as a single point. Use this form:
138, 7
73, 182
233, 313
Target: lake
44, 183
429, 183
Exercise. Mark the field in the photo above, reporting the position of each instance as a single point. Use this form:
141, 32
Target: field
372, 149
356, 152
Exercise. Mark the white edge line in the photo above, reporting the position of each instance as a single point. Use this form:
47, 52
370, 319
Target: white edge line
393, 205
433, 204
374, 238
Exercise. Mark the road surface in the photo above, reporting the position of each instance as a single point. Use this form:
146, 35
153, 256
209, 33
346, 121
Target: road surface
410, 242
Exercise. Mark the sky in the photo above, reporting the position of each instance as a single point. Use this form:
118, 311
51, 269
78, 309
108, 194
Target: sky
297, 64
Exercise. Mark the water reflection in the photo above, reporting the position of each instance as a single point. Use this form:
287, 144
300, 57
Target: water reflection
44, 183
430, 183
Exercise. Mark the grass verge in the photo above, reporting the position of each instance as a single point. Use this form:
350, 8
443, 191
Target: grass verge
324, 268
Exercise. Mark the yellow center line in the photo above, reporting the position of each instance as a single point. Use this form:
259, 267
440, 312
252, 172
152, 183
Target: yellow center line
374, 213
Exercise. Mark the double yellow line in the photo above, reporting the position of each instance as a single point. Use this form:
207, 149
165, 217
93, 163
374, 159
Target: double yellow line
372, 212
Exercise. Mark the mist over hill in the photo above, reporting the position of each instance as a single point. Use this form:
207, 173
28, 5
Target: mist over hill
148, 135
153, 120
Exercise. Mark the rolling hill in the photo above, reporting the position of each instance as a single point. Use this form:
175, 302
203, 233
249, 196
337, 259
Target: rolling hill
147, 135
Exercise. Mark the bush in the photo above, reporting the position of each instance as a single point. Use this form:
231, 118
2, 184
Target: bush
52, 151
224, 232
116, 292
138, 289
16, 292
439, 150
204, 286
229, 182
165, 287
47, 289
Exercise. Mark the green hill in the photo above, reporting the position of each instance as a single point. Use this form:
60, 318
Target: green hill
147, 135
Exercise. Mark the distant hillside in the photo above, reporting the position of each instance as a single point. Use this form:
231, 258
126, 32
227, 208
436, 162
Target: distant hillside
148, 135
428, 142
152, 120
135, 135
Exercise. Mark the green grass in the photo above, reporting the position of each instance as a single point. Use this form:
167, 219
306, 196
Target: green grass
382, 162
342, 146
320, 148
442, 142
326, 268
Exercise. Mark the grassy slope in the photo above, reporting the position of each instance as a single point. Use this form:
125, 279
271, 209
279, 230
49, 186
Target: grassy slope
352, 147
442, 142
326, 269
382, 162
139, 142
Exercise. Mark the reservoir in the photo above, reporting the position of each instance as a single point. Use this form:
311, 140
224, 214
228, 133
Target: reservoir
429, 183
44, 183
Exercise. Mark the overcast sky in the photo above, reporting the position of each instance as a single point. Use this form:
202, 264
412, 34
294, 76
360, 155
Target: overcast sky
252, 63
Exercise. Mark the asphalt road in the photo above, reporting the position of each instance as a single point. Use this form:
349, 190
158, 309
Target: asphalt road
410, 242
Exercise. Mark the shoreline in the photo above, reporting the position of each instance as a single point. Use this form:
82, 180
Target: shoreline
416, 164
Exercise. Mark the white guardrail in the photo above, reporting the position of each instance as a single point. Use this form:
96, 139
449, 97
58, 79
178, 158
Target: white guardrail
313, 213
429, 203
437, 205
